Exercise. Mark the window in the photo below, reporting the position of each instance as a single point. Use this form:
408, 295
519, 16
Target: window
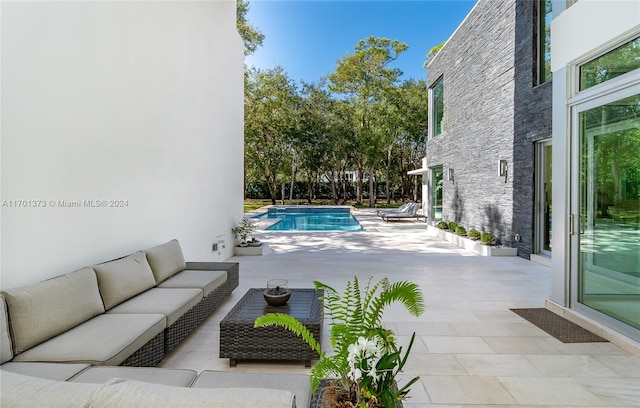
617, 62
542, 64
436, 193
437, 107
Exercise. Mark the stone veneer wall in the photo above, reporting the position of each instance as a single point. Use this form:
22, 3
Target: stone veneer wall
532, 122
477, 64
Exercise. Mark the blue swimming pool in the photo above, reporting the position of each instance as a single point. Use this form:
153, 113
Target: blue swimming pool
312, 219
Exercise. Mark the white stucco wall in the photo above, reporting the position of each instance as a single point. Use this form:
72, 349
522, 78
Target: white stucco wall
135, 101
589, 26
578, 34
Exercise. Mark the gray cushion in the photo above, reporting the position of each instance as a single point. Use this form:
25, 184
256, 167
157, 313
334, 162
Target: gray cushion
119, 393
49, 371
21, 391
6, 352
298, 384
45, 309
165, 260
172, 303
164, 376
107, 339
205, 280
124, 278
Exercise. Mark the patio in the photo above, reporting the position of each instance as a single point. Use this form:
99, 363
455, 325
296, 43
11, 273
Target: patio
470, 348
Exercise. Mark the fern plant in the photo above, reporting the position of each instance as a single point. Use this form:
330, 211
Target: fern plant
356, 316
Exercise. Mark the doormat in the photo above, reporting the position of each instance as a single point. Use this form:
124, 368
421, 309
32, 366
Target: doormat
559, 327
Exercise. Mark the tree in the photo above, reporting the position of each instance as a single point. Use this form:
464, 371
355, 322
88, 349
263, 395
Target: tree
405, 120
251, 36
363, 77
271, 104
432, 53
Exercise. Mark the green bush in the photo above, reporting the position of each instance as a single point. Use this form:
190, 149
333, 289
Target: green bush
488, 238
462, 231
453, 225
443, 225
473, 234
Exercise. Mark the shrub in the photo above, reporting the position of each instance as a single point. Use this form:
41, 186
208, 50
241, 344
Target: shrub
453, 225
473, 234
443, 225
462, 231
488, 238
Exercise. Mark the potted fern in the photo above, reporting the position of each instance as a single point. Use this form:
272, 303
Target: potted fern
362, 370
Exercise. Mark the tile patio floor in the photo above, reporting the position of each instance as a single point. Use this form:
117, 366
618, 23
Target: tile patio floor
470, 349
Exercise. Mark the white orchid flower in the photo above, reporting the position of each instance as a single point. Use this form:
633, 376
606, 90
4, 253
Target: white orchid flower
355, 374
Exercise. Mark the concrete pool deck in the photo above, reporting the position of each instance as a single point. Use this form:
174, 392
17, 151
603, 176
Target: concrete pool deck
470, 349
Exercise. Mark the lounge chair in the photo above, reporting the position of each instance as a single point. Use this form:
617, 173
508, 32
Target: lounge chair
412, 211
403, 208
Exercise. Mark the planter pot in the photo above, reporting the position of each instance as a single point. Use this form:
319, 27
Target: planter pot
319, 400
476, 247
262, 249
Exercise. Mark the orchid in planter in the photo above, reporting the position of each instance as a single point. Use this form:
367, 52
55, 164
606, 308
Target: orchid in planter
366, 358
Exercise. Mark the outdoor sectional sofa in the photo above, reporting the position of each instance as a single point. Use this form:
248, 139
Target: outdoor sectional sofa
79, 327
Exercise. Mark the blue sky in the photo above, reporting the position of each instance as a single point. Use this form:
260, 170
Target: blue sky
307, 37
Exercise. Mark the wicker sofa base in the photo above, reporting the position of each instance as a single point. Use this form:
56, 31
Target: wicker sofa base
181, 328
148, 355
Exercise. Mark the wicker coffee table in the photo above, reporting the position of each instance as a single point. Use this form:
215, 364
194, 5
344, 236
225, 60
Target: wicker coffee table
240, 340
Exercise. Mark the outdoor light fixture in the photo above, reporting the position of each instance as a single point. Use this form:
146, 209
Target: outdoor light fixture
503, 169
450, 174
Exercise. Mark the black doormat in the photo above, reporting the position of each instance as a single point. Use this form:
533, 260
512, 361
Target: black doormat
559, 327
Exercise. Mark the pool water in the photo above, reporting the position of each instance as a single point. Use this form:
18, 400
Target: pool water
312, 219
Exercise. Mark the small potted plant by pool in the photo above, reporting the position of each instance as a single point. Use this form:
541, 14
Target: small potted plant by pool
242, 230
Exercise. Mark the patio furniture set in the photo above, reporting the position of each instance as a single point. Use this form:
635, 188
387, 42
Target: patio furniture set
92, 337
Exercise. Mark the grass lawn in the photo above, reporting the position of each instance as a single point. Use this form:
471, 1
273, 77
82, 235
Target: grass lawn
251, 204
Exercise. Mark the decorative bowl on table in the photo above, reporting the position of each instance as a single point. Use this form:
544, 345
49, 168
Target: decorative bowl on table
277, 292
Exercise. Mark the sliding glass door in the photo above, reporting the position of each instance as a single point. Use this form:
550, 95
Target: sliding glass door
606, 205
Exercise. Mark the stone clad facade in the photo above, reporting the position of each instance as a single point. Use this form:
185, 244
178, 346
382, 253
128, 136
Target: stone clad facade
491, 112
532, 123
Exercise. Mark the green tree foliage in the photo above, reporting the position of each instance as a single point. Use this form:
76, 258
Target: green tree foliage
403, 117
271, 105
360, 117
432, 53
251, 36
365, 77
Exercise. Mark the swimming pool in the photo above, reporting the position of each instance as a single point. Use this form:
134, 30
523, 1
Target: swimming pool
312, 219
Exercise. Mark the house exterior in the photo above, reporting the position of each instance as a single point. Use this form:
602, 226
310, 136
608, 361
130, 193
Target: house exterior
596, 164
551, 166
490, 116
122, 128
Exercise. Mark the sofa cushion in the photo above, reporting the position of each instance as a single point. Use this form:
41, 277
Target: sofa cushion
49, 371
45, 309
164, 376
298, 384
171, 303
165, 260
6, 352
22, 391
119, 393
205, 280
107, 339
124, 278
